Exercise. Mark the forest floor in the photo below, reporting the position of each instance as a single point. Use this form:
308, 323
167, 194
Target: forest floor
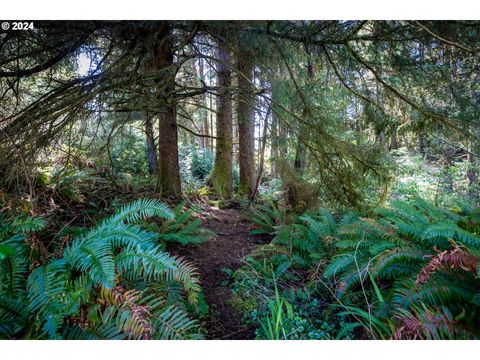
231, 243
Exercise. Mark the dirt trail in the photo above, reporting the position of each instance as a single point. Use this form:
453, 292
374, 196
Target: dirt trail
226, 250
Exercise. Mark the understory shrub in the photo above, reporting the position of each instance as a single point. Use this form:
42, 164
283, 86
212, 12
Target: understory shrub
409, 271
114, 281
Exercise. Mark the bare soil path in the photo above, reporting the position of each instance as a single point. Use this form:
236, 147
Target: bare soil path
225, 251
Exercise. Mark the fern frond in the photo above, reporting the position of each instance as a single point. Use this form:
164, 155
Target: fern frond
183, 229
338, 265
93, 256
445, 231
13, 317
423, 322
141, 209
153, 264
437, 291
46, 286
174, 324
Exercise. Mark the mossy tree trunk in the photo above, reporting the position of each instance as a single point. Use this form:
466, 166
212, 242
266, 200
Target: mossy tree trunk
274, 142
221, 177
169, 170
246, 125
279, 138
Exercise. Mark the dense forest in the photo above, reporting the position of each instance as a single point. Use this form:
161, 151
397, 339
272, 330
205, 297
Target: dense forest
240, 180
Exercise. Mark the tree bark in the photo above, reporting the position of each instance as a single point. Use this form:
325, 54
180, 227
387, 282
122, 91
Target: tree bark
280, 143
301, 151
394, 143
221, 177
261, 160
151, 148
304, 133
472, 173
422, 143
169, 170
204, 111
201, 104
274, 150
212, 143
246, 125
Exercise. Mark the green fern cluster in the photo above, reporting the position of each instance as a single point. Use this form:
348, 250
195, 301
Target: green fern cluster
114, 282
267, 218
302, 242
426, 260
308, 237
183, 229
409, 271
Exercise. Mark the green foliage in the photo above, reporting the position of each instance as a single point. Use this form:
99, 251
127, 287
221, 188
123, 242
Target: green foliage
423, 256
176, 325
270, 189
183, 229
272, 327
432, 178
408, 271
128, 152
267, 218
293, 313
296, 248
195, 166
116, 272
74, 183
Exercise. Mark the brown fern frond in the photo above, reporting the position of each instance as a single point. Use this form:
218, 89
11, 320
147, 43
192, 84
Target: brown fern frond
452, 259
138, 325
411, 329
424, 323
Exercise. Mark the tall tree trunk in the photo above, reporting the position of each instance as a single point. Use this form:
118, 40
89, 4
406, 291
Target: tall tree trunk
169, 175
472, 174
394, 143
235, 152
221, 177
169, 170
421, 136
381, 138
151, 148
246, 125
201, 104
261, 150
304, 132
301, 150
448, 157
282, 140
422, 143
212, 143
274, 149
204, 111
295, 184
206, 132
202, 139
